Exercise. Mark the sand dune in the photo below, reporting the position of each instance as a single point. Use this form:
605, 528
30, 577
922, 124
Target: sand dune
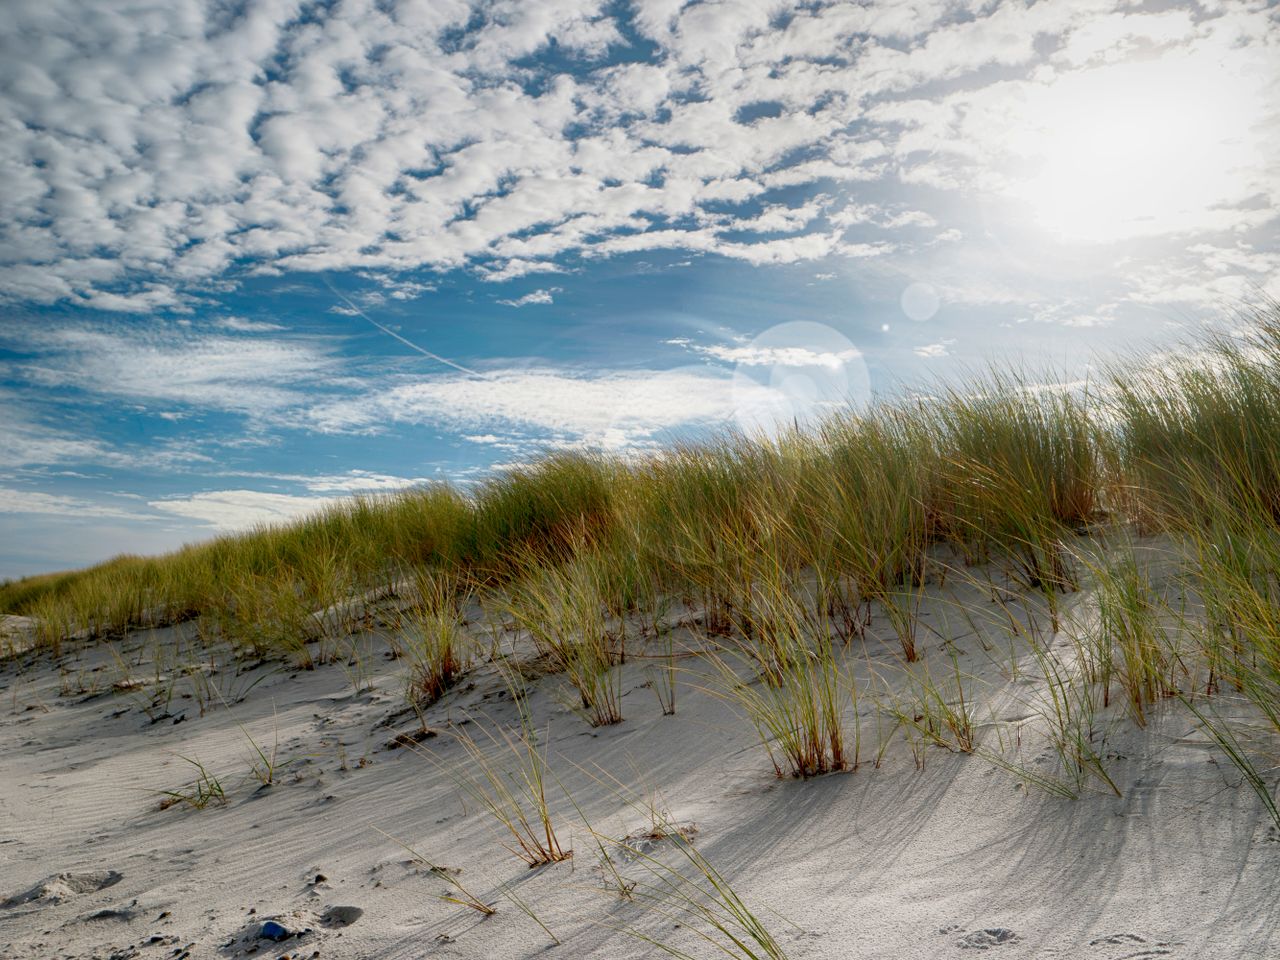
946, 854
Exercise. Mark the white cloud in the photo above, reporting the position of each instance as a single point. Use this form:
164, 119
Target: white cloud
25, 442
617, 408
147, 157
241, 325
516, 267
229, 510
360, 481
756, 355
181, 144
351, 482
257, 376
934, 350
537, 296
410, 291
13, 500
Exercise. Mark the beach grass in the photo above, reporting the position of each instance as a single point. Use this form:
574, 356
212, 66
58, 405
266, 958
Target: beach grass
785, 548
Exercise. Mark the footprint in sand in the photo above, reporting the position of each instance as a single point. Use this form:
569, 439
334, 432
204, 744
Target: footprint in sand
341, 916
1132, 947
63, 886
987, 938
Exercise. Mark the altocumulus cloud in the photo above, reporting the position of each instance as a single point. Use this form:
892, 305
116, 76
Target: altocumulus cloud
153, 149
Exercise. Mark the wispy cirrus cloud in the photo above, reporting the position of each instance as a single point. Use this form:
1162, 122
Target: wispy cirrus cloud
23, 501
261, 377
32, 439
229, 510
614, 408
304, 384
351, 482
757, 355
25, 442
243, 325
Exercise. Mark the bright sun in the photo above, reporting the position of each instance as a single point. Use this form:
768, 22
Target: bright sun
1140, 148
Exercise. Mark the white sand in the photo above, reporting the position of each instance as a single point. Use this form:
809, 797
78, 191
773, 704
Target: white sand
893, 862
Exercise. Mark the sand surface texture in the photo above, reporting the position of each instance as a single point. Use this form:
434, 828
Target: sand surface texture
955, 858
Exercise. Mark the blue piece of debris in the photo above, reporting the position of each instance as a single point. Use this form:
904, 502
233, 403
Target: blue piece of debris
274, 931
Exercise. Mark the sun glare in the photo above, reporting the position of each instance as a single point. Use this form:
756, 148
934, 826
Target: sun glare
1139, 148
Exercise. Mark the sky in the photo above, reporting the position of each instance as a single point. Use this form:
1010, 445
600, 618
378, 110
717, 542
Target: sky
258, 255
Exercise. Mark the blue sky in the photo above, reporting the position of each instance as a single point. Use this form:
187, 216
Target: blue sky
258, 255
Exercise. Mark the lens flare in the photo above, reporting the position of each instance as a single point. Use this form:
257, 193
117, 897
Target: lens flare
808, 369
920, 301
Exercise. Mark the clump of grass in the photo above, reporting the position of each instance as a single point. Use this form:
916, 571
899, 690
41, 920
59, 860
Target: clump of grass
698, 897
506, 773
1234, 564
1131, 645
688, 513
798, 717
260, 615
937, 712
543, 510
205, 790
1020, 475
1202, 430
797, 699
562, 609
265, 763
208, 683
1071, 722
439, 651
662, 680
871, 484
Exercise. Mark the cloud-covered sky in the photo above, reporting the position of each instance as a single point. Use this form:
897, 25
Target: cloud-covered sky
256, 255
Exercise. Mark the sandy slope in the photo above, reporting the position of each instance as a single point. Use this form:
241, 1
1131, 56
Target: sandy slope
896, 862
